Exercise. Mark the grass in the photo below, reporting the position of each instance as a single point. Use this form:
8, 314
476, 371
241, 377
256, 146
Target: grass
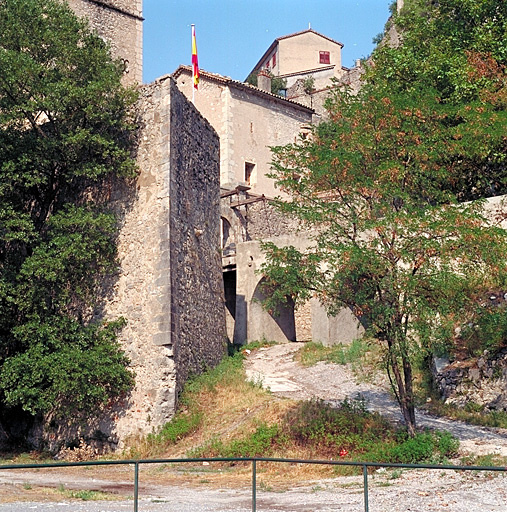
312, 353
84, 494
217, 405
472, 413
224, 415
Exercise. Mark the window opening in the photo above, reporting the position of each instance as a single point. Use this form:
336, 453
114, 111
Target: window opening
324, 58
249, 169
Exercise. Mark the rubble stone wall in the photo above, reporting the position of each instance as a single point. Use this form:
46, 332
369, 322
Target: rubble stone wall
169, 282
198, 312
120, 22
483, 381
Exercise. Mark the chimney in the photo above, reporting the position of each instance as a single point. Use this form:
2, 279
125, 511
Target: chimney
399, 4
264, 81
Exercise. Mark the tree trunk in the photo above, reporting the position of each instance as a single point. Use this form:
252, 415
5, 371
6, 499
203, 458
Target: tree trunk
404, 389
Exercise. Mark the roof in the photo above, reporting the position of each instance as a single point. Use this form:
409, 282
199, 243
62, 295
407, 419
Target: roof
295, 34
225, 80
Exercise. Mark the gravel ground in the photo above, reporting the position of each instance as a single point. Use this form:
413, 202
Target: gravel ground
389, 490
415, 491
276, 369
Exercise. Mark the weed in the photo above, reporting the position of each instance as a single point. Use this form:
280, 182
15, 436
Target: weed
253, 345
27, 486
180, 426
471, 413
349, 430
265, 487
395, 474
312, 353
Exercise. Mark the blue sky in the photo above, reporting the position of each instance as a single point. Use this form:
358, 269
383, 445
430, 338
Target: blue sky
232, 35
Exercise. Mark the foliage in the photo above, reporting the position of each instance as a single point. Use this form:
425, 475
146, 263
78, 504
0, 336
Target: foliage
66, 135
277, 83
457, 52
486, 330
309, 84
349, 428
381, 183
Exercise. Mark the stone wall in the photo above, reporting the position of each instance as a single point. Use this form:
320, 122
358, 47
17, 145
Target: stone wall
169, 283
482, 381
121, 23
198, 316
170, 287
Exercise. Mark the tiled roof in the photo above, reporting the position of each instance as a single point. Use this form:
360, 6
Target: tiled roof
214, 77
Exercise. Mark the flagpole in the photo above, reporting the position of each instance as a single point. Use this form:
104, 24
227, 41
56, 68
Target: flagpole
192, 29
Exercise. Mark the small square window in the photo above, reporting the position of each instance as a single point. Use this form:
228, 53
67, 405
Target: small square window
324, 58
249, 169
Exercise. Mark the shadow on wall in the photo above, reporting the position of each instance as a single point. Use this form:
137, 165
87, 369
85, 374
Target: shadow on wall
279, 325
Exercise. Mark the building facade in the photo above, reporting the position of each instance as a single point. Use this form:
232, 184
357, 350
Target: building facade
248, 121
301, 55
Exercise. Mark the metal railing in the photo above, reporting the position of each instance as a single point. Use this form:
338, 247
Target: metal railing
254, 460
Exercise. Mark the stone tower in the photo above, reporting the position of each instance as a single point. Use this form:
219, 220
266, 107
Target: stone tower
121, 23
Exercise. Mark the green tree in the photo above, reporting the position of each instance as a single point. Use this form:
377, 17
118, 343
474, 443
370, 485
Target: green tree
66, 139
379, 186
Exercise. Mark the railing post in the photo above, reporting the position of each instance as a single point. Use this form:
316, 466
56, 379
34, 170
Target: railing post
254, 485
365, 478
136, 485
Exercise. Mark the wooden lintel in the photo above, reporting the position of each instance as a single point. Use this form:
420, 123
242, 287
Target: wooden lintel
247, 201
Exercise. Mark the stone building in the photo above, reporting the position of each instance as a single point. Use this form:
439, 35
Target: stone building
250, 120
121, 23
169, 285
201, 207
301, 55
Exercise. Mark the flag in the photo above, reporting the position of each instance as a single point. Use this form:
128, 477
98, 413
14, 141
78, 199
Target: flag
195, 65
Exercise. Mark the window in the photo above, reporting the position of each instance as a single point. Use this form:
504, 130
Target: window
274, 59
324, 58
249, 169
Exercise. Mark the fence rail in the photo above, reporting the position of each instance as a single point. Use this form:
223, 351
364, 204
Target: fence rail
253, 460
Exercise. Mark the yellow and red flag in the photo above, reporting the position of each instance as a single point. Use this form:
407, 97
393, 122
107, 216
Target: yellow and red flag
195, 65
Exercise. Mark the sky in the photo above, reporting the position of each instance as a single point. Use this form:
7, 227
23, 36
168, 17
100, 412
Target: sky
232, 35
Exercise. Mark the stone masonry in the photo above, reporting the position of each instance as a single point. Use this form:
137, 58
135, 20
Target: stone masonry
169, 288
120, 22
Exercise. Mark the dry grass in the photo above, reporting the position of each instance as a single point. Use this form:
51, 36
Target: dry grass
231, 409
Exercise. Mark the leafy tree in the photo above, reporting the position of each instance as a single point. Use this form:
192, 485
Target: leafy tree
379, 187
66, 138
456, 51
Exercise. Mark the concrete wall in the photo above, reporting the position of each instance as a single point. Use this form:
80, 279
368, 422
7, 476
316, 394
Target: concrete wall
120, 22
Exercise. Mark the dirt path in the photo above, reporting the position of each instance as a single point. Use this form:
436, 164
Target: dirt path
277, 370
